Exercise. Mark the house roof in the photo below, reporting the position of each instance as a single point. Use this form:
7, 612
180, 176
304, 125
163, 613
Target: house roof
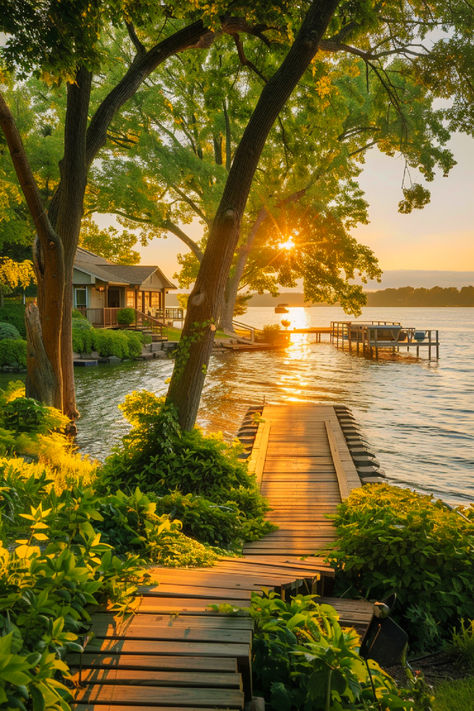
117, 273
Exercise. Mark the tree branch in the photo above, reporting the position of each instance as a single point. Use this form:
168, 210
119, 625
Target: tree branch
178, 232
26, 178
193, 36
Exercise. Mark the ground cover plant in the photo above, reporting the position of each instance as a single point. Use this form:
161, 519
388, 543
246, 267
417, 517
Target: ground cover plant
63, 548
303, 659
395, 540
197, 477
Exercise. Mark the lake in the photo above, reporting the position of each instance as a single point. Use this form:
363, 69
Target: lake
417, 415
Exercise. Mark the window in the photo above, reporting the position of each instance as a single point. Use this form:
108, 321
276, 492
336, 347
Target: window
130, 297
155, 299
80, 297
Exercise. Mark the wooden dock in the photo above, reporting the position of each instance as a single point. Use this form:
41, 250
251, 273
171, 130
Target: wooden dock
178, 651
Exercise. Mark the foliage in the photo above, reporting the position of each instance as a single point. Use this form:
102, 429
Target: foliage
158, 457
272, 333
14, 312
13, 353
125, 317
395, 540
108, 242
15, 274
303, 659
454, 695
107, 342
36, 432
130, 523
462, 644
8, 330
64, 547
223, 525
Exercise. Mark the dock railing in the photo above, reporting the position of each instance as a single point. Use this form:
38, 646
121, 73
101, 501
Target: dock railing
370, 336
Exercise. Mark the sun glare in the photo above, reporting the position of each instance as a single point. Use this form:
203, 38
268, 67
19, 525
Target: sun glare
288, 244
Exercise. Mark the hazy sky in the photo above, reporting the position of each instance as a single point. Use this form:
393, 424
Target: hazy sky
441, 236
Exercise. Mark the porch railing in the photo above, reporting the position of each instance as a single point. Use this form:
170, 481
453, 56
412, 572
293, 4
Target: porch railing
107, 318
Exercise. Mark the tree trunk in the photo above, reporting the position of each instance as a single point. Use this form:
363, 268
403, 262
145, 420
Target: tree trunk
41, 382
233, 282
204, 302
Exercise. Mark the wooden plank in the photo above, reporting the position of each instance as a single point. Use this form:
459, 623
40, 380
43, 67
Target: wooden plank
188, 634
168, 648
193, 591
146, 677
175, 696
221, 622
182, 604
345, 487
257, 458
153, 662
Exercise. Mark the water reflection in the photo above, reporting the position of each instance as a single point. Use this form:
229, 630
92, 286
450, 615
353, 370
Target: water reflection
417, 416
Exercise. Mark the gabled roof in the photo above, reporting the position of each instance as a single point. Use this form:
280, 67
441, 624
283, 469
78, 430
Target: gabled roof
117, 273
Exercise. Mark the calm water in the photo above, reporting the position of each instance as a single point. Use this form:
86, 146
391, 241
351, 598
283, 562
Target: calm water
418, 416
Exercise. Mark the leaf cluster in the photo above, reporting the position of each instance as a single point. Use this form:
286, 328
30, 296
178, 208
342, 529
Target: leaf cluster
198, 476
395, 540
303, 659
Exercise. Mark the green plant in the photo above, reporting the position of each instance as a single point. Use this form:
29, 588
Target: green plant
76, 314
13, 312
126, 316
303, 659
8, 330
13, 352
131, 524
272, 333
395, 540
158, 457
462, 644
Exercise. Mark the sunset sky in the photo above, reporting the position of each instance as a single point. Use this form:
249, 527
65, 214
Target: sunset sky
441, 236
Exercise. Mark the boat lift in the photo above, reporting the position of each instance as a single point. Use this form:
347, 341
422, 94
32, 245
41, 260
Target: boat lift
369, 337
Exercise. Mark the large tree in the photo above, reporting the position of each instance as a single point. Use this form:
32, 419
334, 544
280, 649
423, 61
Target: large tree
176, 141
67, 42
63, 40
388, 37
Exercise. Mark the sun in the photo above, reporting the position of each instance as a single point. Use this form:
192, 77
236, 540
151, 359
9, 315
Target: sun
288, 244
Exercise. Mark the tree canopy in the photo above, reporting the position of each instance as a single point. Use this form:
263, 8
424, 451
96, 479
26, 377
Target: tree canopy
406, 53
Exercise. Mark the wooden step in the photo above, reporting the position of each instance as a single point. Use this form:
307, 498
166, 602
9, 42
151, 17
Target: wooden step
124, 696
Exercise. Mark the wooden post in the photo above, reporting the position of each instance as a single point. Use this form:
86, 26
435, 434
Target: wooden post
437, 345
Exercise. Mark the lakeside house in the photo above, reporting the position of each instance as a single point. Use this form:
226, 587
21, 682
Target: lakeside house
102, 288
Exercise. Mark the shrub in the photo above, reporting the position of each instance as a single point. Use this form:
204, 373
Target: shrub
13, 352
13, 312
217, 524
303, 659
125, 317
395, 540
462, 644
130, 523
273, 334
160, 458
110, 343
8, 330
134, 344
82, 336
78, 314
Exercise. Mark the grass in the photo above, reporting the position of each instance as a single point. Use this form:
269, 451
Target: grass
454, 695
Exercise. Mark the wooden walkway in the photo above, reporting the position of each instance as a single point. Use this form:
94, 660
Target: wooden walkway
177, 651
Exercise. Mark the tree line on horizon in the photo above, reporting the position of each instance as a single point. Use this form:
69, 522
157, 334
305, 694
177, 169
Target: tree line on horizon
410, 296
